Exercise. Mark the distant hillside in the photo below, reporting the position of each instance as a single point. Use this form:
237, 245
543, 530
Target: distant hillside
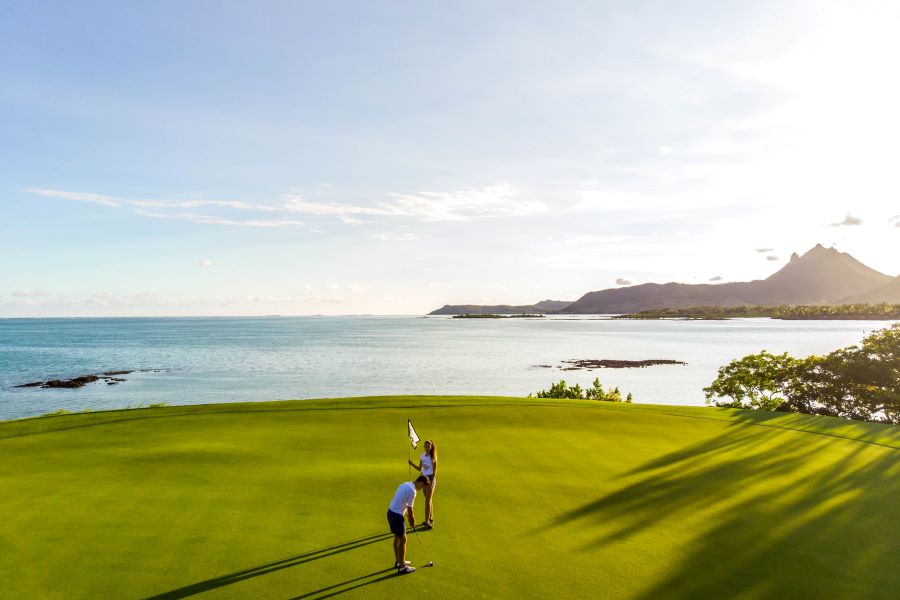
821, 276
542, 307
889, 294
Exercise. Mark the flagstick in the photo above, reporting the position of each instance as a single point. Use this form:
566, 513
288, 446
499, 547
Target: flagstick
408, 466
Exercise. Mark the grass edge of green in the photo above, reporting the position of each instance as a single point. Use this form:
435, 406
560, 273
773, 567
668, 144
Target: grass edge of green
871, 433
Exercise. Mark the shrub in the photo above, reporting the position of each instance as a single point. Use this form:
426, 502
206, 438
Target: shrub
57, 413
595, 392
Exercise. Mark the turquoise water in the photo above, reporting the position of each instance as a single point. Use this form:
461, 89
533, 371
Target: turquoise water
204, 360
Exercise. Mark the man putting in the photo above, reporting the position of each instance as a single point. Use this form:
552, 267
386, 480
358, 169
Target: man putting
403, 503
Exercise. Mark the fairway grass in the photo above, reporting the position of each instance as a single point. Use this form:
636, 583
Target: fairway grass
535, 499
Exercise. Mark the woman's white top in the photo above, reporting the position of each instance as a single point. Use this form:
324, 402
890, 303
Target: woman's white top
427, 465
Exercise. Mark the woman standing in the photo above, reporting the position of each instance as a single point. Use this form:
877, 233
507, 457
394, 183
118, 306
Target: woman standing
428, 466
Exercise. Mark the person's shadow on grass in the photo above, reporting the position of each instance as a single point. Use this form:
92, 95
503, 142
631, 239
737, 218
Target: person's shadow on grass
337, 591
286, 563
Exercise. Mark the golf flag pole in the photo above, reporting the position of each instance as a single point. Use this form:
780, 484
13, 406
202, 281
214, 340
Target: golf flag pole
413, 440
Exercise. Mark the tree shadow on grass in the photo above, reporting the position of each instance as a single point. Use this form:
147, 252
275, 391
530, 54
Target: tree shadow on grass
271, 567
778, 519
869, 433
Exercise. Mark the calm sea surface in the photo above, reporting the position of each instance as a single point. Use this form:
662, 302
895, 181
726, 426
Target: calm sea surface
204, 360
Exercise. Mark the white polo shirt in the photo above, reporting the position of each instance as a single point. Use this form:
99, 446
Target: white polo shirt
405, 496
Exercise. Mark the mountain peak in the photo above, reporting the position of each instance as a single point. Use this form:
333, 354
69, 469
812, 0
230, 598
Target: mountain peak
822, 275
819, 276
819, 249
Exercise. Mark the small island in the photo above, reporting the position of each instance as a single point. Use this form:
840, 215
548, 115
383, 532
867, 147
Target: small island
590, 364
494, 316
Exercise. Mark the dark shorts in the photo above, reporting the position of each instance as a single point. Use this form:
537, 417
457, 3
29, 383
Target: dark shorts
398, 525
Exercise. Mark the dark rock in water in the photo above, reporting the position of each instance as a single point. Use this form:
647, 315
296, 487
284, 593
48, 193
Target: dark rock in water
616, 364
109, 377
77, 382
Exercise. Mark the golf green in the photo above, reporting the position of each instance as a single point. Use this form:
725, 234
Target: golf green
535, 498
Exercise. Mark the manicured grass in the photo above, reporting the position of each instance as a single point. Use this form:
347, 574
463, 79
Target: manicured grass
535, 498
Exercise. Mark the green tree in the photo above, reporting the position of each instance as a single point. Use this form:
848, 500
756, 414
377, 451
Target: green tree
857, 382
755, 381
596, 392
560, 390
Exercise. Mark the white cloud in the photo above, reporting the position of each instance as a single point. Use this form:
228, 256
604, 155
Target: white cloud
664, 197
664, 150
296, 204
622, 281
205, 263
848, 220
92, 299
77, 196
397, 237
580, 240
771, 258
462, 205
215, 220
195, 203
609, 200
290, 300
764, 250
30, 294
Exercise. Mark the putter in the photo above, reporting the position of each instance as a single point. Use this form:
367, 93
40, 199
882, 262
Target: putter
430, 562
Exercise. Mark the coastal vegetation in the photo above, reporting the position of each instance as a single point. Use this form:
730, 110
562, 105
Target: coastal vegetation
860, 382
575, 392
287, 499
495, 316
882, 311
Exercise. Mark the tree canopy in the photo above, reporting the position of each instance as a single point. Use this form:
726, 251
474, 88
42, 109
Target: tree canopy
859, 382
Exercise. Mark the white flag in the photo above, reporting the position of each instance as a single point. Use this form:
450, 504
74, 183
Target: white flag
413, 436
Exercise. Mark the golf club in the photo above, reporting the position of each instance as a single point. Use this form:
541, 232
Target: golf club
430, 562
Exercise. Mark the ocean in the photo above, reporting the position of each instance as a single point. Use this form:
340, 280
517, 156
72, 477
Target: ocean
238, 359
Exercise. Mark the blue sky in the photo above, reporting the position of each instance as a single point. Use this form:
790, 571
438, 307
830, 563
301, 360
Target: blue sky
178, 158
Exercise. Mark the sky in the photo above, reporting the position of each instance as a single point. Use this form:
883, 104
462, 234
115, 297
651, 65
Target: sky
335, 157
